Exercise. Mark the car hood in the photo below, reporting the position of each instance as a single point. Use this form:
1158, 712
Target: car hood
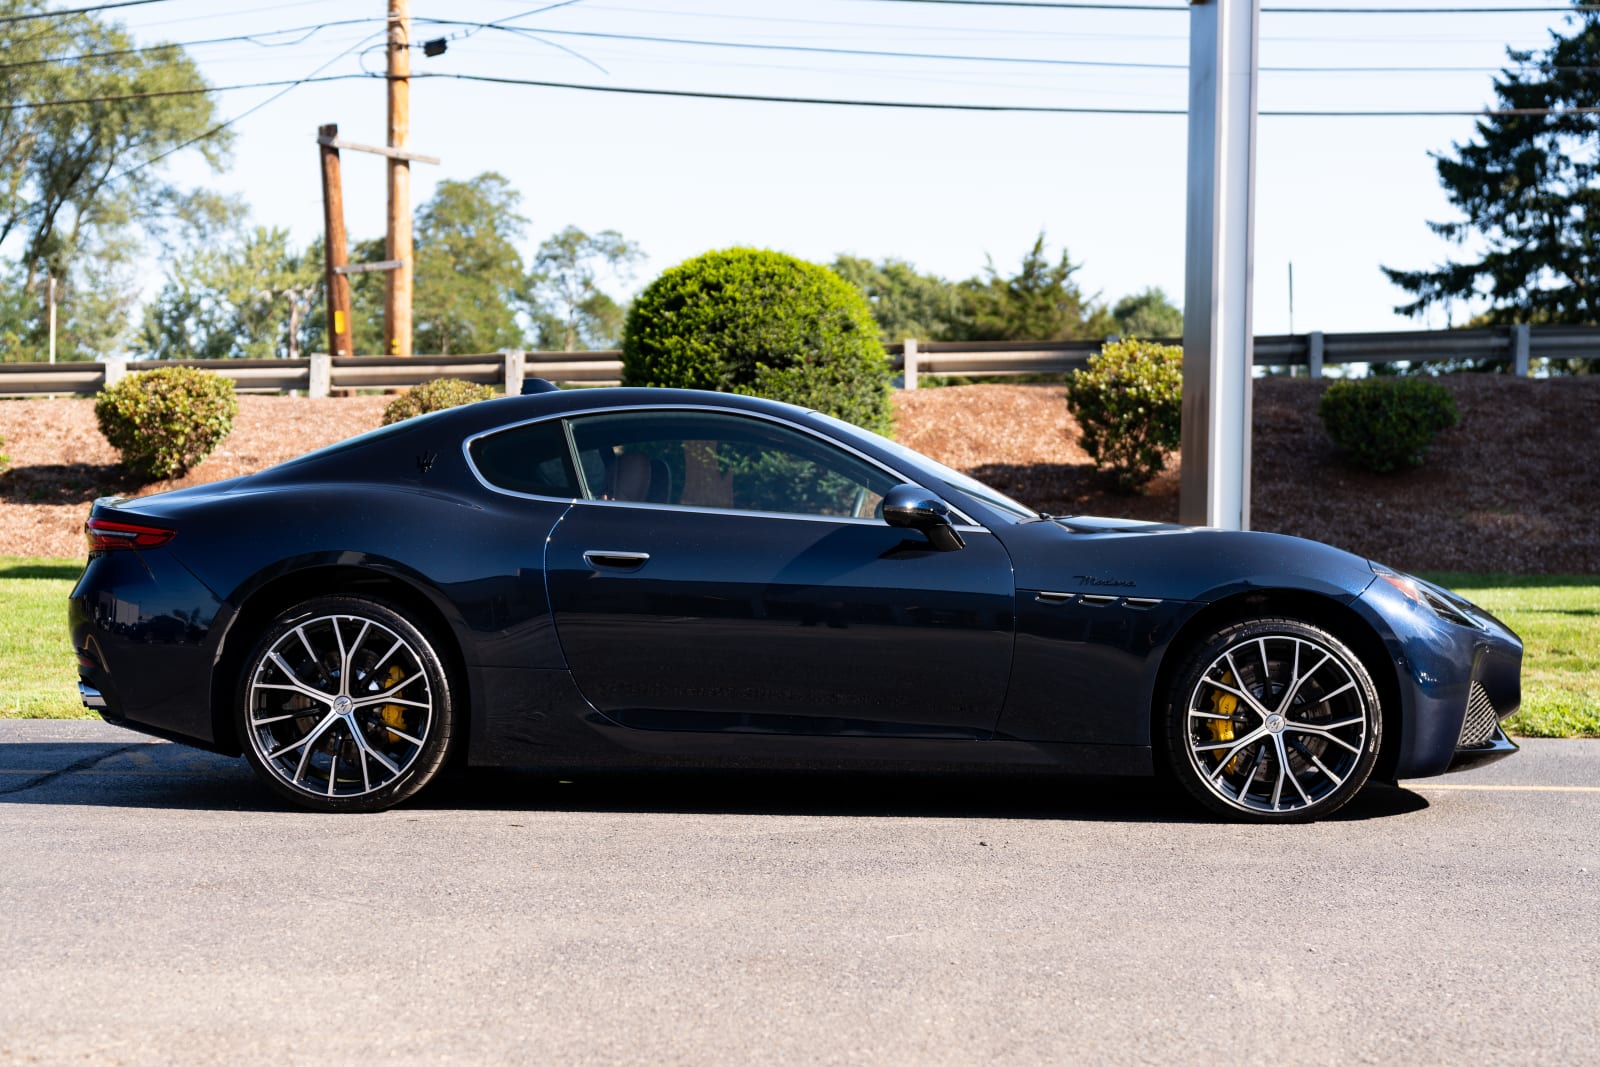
1092, 554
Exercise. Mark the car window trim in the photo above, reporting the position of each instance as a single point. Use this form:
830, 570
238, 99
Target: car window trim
967, 524
572, 457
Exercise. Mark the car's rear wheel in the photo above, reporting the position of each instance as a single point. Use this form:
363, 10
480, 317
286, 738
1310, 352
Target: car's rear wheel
1273, 720
345, 705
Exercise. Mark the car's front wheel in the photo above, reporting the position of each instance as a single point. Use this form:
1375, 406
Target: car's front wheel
1273, 720
345, 705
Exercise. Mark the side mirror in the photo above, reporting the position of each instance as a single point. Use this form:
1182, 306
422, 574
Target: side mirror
913, 507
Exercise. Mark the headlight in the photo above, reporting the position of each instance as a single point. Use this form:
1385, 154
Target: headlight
1443, 604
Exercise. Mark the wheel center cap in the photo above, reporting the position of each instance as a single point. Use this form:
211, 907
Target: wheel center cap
1275, 724
342, 705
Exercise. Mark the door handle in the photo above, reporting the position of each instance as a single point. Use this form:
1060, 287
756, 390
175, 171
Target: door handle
622, 561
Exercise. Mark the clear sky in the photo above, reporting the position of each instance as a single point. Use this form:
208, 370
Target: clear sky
943, 189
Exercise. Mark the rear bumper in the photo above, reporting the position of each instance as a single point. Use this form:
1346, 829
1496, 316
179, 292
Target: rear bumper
140, 625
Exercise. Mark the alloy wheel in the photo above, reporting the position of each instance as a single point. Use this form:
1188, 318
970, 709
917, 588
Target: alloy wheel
339, 706
1277, 724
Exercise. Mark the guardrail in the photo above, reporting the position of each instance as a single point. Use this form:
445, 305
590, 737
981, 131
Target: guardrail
321, 375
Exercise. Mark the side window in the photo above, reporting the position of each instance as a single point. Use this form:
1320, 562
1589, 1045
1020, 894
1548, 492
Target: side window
707, 460
528, 459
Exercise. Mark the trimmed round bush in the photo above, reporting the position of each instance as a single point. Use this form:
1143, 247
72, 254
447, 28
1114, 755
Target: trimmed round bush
436, 395
1129, 407
1387, 424
761, 323
166, 420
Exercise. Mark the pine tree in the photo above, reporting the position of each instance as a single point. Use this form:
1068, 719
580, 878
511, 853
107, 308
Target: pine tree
1527, 186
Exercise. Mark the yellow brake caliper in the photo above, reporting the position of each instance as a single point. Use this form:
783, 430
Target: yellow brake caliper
394, 715
1222, 729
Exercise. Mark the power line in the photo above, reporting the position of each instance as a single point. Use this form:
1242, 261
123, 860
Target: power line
911, 105
1069, 5
252, 38
1428, 10
822, 50
838, 102
76, 10
1019, 108
957, 57
1047, 3
31, 105
291, 87
307, 31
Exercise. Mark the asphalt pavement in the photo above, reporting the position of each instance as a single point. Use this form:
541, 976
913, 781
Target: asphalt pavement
158, 906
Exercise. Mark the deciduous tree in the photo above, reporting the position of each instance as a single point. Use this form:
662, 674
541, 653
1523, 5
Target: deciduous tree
75, 176
906, 303
572, 310
470, 276
1147, 314
248, 296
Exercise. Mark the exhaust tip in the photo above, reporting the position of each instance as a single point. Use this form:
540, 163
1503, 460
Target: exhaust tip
91, 697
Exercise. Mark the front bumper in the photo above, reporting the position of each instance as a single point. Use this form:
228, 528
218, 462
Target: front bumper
1496, 746
1458, 677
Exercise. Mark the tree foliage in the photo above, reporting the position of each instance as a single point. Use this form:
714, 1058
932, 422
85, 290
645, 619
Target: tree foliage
76, 178
906, 303
1148, 314
248, 296
761, 323
470, 277
572, 311
1528, 189
1039, 301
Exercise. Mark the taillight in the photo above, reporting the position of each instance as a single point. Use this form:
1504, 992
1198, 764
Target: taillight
107, 536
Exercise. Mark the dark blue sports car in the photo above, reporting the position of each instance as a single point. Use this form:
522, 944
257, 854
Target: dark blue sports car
628, 577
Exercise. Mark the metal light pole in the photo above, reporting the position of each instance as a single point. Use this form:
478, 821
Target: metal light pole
1217, 341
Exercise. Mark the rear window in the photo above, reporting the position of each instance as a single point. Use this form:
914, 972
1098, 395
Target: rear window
527, 459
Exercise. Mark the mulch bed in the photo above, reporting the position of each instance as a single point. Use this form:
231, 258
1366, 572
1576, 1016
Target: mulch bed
1515, 488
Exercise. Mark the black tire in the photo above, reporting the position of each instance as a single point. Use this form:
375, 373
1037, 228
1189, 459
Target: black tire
1272, 720
345, 705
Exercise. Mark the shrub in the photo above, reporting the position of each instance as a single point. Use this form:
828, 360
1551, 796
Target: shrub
1129, 404
5, 460
761, 323
166, 420
1386, 424
436, 395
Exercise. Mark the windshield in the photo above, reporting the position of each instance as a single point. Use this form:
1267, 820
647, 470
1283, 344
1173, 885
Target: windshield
954, 478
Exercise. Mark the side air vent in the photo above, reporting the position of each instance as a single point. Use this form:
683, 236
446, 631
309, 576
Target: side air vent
1481, 719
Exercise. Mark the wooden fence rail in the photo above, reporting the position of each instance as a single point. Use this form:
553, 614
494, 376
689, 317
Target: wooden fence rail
320, 375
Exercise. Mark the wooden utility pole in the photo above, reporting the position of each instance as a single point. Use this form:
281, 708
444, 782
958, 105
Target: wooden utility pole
397, 296
334, 243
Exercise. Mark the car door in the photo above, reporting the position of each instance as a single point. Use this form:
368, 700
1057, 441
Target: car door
728, 572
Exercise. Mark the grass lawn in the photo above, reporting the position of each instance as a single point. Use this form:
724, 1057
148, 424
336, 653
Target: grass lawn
1558, 618
38, 671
